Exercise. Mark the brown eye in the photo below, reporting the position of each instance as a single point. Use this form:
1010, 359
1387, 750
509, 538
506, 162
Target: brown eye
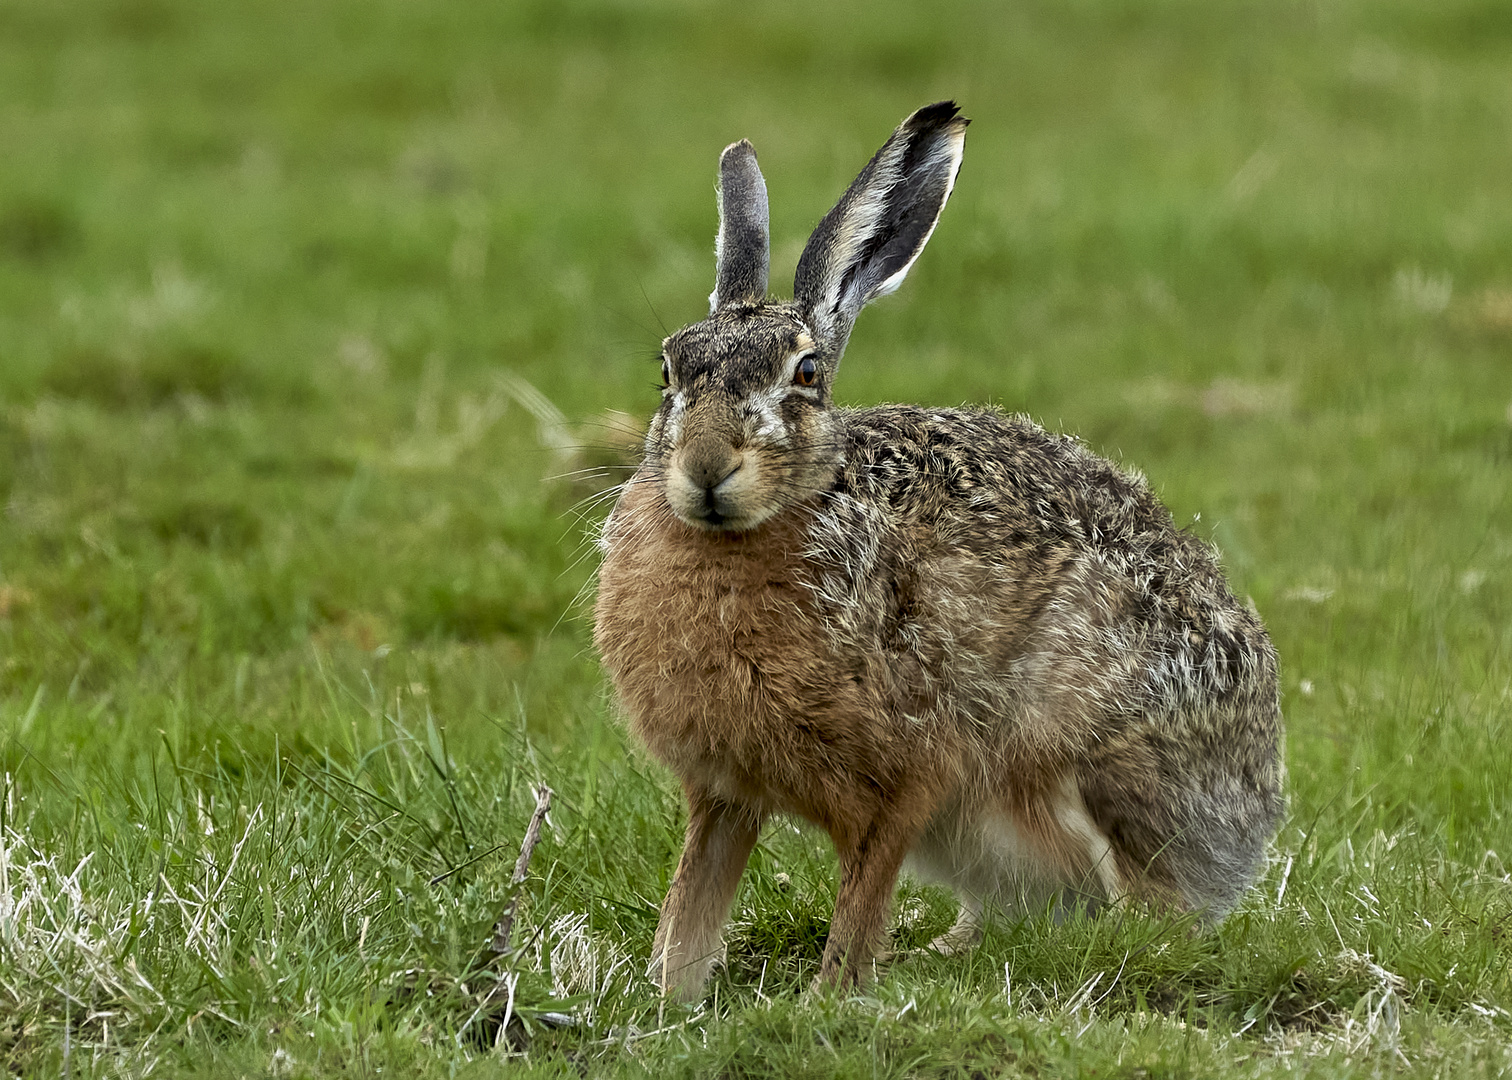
666, 373
806, 372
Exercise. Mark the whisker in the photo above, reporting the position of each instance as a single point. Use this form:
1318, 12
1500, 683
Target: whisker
588, 471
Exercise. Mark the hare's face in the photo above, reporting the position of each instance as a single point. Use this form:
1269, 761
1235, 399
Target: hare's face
744, 429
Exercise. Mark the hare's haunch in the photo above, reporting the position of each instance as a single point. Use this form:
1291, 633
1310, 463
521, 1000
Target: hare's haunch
945, 635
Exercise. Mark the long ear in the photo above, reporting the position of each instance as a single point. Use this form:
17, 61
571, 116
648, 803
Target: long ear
742, 250
866, 245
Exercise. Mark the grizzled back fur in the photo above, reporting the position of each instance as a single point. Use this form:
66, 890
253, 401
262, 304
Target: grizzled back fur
944, 635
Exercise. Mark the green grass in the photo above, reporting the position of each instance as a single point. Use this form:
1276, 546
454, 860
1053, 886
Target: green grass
293, 616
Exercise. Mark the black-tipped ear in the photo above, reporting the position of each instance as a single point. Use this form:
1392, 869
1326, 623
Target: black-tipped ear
742, 251
866, 245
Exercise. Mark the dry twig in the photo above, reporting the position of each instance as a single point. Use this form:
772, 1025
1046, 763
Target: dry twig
499, 945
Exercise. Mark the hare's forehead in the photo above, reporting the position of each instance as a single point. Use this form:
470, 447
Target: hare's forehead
740, 346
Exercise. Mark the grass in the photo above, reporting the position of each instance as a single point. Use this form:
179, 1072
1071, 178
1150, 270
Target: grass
292, 616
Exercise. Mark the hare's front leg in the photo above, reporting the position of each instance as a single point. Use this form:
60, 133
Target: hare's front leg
718, 844
870, 858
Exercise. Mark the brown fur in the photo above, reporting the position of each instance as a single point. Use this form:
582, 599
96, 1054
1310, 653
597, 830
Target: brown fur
938, 634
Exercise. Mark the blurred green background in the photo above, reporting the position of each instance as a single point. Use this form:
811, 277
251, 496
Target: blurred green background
282, 286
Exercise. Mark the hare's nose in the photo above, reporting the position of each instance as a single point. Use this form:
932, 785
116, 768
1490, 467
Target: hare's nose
710, 475
706, 462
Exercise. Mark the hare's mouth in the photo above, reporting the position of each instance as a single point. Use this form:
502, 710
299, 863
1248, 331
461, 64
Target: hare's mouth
715, 511
725, 501
714, 520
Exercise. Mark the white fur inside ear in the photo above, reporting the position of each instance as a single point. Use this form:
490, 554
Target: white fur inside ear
884, 220
954, 150
719, 248
856, 231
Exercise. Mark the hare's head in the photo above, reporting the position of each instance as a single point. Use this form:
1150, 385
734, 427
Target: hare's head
745, 426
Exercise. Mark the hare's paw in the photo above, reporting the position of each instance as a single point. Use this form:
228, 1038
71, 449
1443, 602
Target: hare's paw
963, 936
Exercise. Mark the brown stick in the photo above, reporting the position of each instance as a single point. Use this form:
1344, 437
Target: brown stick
499, 945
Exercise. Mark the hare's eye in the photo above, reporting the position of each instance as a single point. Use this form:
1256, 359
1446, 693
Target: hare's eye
806, 372
666, 373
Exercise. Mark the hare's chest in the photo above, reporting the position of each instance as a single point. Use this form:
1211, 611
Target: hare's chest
702, 627
718, 656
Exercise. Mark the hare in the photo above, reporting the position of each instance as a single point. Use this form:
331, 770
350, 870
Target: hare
942, 635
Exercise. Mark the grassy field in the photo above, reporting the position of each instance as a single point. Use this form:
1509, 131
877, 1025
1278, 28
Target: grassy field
293, 612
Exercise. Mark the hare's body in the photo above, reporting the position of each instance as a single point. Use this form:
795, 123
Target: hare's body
933, 632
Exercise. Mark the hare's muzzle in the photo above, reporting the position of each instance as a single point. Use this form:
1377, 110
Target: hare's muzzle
712, 484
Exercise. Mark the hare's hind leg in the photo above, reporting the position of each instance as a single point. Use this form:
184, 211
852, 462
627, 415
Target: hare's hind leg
966, 932
991, 861
1193, 842
1103, 874
947, 854
718, 844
